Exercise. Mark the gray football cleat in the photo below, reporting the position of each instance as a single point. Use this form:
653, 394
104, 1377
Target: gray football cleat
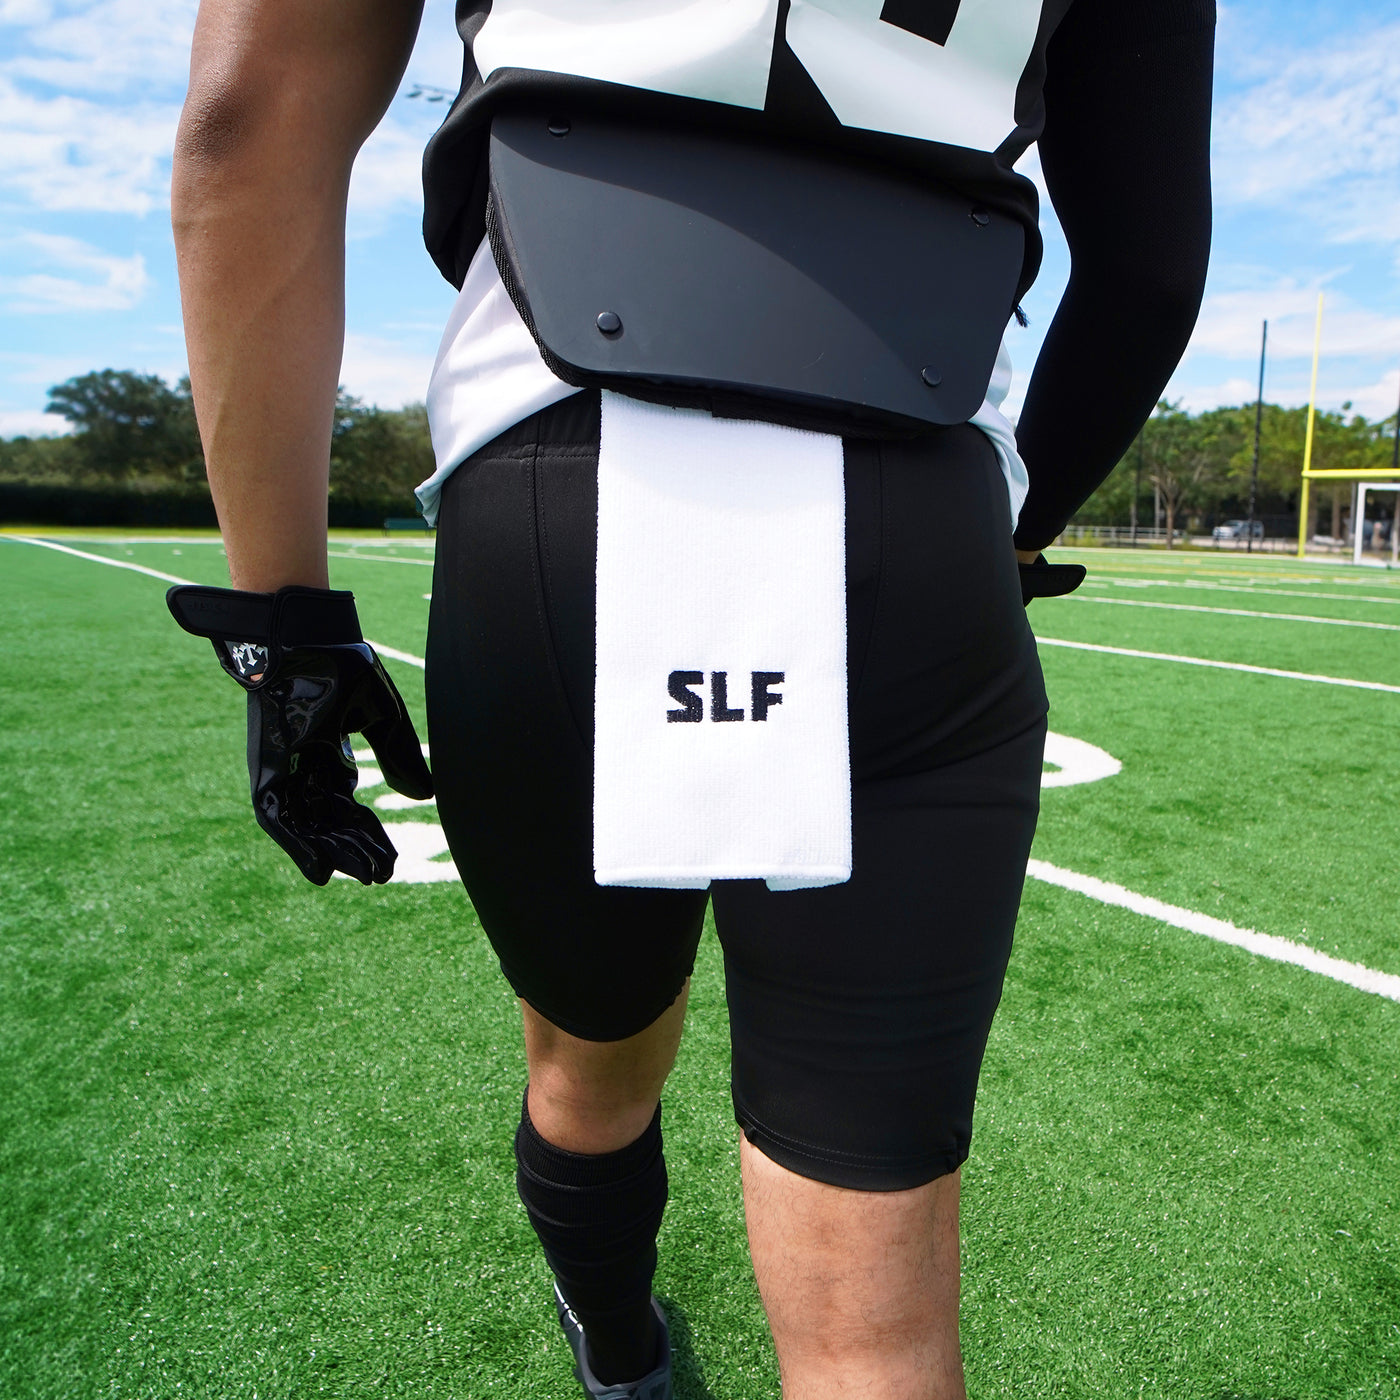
655, 1385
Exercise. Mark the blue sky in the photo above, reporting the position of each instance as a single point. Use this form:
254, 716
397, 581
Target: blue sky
1307, 178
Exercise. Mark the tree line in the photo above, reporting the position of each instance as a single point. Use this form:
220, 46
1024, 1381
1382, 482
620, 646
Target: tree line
134, 436
1196, 468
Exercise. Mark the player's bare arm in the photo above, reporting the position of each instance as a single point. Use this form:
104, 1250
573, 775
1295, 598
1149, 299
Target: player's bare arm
282, 95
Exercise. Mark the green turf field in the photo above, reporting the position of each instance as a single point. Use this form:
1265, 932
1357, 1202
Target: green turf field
255, 1136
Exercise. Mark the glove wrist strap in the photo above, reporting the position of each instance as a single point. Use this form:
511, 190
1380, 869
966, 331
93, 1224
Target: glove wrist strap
1042, 579
251, 630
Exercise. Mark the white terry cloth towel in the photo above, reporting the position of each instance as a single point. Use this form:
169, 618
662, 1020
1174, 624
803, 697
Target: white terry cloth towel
721, 747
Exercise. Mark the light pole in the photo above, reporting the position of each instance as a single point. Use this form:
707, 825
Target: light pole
1395, 519
1258, 433
1137, 487
1308, 440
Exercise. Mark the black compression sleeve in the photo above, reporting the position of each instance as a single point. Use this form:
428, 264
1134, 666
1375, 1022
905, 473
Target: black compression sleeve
1126, 155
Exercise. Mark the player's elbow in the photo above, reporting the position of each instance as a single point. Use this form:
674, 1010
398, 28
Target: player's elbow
1162, 291
248, 135
221, 146
1169, 302
219, 120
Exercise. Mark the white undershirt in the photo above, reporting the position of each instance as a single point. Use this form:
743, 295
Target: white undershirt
489, 375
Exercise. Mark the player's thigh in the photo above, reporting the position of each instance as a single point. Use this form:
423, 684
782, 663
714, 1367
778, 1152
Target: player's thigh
509, 691
860, 1013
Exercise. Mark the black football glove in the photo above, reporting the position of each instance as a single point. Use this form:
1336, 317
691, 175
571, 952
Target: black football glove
1043, 579
312, 680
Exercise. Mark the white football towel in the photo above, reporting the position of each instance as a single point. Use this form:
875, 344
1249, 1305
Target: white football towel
721, 748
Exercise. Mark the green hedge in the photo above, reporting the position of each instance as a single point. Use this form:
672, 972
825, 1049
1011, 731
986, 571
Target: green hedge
34, 503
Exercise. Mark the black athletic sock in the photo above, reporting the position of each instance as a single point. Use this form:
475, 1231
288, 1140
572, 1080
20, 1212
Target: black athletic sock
597, 1218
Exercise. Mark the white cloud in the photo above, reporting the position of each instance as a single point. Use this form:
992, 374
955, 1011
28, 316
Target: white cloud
1230, 322
98, 281
1195, 398
1319, 134
102, 46
388, 174
24, 12
387, 372
1378, 401
90, 93
90, 97
67, 153
437, 56
32, 422
28, 369
1375, 400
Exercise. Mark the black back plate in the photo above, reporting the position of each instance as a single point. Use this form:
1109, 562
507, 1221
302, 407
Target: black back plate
744, 267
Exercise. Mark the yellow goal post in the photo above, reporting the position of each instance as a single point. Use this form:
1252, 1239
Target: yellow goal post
1366, 478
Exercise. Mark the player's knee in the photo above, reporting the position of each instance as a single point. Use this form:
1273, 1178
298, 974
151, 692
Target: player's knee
591, 1097
603, 1091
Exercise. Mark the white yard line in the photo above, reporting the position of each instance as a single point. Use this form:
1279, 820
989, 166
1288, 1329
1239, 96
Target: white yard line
429, 542
1273, 576
1217, 665
214, 540
1233, 612
405, 656
370, 559
130, 539
96, 558
1130, 582
1264, 945
1223, 562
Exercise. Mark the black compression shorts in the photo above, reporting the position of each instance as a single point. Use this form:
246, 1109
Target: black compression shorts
858, 1013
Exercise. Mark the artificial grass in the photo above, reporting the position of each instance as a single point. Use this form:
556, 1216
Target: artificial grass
257, 1136
1235, 799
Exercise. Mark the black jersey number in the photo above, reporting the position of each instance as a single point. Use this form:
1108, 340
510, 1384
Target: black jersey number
936, 70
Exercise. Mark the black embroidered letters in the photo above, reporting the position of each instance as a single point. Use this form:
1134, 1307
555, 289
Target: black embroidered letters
679, 686
719, 699
762, 697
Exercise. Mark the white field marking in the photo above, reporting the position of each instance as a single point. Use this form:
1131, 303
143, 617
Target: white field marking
410, 659
1077, 761
1218, 560
429, 543
1235, 612
1125, 564
1117, 569
1264, 945
404, 656
216, 542
1218, 665
370, 559
138, 539
422, 845
1238, 588
96, 558
423, 855
394, 652
1236, 576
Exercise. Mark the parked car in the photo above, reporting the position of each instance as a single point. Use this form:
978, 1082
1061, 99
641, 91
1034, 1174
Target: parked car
1239, 530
